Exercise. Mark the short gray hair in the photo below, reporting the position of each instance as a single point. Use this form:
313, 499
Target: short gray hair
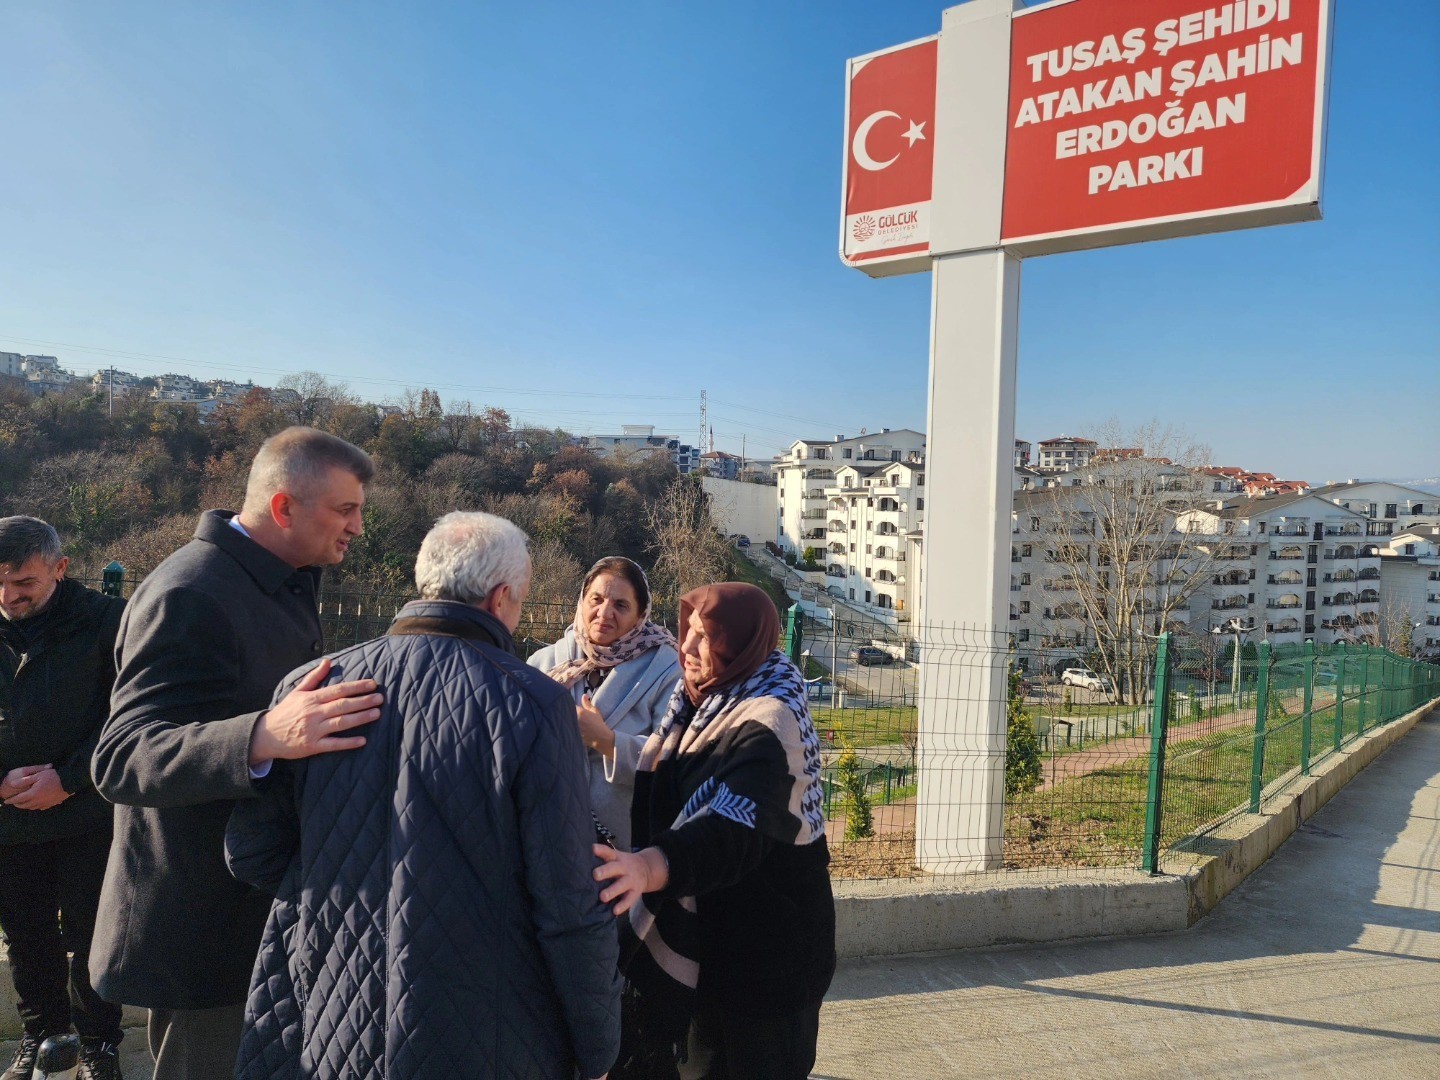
468, 553
296, 462
22, 538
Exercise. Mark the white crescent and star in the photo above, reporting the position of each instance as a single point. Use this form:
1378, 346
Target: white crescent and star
862, 133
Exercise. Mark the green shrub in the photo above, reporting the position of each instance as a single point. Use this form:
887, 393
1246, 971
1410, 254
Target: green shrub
858, 821
1022, 747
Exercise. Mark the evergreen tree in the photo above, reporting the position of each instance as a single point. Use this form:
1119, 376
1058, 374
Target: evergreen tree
1022, 748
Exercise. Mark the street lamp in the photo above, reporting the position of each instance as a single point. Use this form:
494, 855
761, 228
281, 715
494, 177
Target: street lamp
1235, 627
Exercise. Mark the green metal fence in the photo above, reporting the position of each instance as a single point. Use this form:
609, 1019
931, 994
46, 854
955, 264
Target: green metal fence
351, 613
1256, 720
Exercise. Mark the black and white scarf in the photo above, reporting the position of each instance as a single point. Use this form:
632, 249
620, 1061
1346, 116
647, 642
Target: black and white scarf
659, 947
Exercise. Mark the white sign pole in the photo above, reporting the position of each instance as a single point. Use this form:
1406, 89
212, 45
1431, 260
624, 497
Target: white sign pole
970, 440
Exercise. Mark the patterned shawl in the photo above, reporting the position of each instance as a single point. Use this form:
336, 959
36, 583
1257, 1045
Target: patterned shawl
659, 946
640, 638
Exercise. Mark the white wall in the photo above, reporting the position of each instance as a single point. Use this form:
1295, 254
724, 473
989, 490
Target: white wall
742, 508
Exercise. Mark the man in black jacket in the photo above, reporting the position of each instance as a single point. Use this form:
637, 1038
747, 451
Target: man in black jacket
205, 640
57, 641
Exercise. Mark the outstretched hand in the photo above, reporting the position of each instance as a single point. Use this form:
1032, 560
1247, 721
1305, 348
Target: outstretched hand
629, 875
312, 719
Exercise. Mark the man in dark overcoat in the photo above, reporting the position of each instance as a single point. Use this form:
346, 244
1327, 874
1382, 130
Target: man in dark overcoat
57, 665
205, 640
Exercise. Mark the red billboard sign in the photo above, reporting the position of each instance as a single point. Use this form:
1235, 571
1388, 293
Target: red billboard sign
1124, 120
1132, 113
889, 159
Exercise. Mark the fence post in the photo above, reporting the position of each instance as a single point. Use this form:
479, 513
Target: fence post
1340, 696
1262, 703
792, 635
112, 580
1155, 784
1306, 726
1364, 687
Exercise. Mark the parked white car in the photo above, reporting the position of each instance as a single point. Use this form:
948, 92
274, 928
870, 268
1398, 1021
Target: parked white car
1084, 677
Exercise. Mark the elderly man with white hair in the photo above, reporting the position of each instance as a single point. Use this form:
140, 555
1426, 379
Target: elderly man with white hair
435, 913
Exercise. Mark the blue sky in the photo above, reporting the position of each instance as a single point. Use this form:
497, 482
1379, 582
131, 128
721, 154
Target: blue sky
588, 213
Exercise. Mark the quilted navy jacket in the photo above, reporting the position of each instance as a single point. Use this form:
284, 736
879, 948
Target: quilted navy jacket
435, 913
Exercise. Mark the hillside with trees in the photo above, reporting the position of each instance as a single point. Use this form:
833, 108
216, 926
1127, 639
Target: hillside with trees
126, 482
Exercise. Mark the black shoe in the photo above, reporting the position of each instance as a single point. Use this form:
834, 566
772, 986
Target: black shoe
99, 1060
24, 1063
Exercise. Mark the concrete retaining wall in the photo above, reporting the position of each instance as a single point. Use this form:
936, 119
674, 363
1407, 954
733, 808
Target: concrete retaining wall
882, 918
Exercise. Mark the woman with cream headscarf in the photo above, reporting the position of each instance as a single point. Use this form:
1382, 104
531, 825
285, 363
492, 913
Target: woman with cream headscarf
621, 669
729, 940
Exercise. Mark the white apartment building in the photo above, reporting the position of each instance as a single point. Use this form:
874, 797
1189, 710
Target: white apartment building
1382, 500
860, 503
172, 387
113, 378
12, 364
1410, 587
1064, 454
640, 439
1296, 567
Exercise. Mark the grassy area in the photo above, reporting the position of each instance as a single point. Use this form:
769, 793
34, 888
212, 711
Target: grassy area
742, 569
1099, 818
865, 727
1075, 712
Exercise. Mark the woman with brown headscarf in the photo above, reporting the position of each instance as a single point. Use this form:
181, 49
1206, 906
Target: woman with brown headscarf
729, 944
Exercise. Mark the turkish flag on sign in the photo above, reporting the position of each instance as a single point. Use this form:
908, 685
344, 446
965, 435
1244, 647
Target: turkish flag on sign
890, 153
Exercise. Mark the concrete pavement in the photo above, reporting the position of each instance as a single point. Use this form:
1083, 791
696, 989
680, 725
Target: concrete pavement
1325, 962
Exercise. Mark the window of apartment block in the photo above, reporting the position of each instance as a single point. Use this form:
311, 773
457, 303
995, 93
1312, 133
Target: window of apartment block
867, 549
919, 504
852, 523
1024, 579
1024, 607
1389, 509
1034, 524
1025, 551
848, 452
852, 594
852, 549
920, 479
867, 596
895, 456
869, 502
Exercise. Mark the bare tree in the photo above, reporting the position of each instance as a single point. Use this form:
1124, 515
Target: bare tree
309, 398
1115, 547
1397, 627
689, 550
